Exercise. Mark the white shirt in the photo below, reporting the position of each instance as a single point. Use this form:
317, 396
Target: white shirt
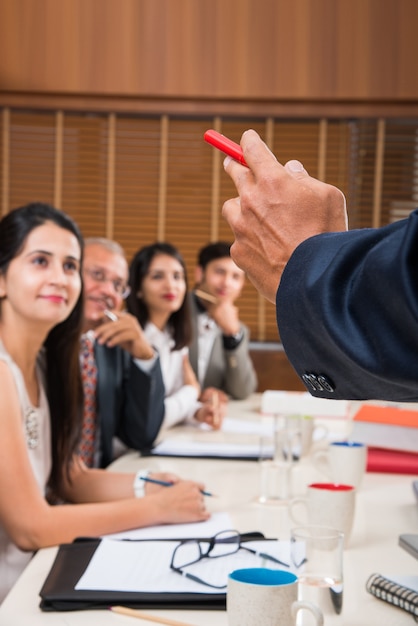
207, 331
181, 401
36, 430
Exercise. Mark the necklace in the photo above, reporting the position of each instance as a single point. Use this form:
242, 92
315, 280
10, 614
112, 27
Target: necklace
31, 428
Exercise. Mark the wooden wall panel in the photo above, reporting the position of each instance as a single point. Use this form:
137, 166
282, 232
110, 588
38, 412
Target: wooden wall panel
274, 371
304, 49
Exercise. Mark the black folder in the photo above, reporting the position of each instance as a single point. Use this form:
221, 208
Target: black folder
58, 592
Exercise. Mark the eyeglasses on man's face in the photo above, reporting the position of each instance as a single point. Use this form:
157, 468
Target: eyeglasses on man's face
100, 276
224, 543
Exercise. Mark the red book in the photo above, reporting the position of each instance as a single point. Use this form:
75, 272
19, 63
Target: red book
392, 461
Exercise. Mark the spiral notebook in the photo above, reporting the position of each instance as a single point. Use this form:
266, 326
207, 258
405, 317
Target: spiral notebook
400, 591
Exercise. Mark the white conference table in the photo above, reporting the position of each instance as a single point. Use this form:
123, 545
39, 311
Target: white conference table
385, 507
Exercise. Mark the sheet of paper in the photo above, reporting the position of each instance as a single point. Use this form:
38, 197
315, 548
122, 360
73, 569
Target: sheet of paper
177, 446
216, 523
145, 566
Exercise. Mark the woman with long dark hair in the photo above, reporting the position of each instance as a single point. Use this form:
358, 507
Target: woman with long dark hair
158, 298
41, 403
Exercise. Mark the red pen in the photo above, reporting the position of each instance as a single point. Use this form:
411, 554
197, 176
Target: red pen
226, 145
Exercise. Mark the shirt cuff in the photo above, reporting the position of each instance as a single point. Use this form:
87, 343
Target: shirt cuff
139, 483
146, 365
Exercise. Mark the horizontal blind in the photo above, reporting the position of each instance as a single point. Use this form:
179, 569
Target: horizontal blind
31, 158
139, 178
137, 168
84, 171
400, 180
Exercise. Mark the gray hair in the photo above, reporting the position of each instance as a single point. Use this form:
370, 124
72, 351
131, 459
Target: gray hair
108, 244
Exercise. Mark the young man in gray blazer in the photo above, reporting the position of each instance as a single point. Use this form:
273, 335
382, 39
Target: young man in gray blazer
129, 399
219, 353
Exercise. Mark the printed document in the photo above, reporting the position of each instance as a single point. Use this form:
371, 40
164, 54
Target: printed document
144, 566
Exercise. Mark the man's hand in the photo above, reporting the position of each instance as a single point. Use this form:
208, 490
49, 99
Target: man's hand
226, 315
127, 333
278, 208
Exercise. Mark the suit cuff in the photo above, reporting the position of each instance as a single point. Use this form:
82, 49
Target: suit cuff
231, 342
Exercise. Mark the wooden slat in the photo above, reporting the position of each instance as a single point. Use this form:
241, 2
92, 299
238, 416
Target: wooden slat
5, 175
322, 149
378, 174
59, 126
216, 176
110, 188
162, 186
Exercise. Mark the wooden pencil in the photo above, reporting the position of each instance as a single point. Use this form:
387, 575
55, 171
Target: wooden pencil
205, 296
124, 610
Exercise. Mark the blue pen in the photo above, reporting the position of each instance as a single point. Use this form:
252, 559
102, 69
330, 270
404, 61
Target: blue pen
165, 483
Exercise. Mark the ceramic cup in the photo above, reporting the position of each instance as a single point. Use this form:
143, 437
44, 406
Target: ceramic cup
326, 504
265, 596
343, 462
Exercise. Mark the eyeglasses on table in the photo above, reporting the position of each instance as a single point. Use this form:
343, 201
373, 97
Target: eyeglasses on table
222, 544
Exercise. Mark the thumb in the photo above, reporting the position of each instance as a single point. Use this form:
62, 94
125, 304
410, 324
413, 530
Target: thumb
296, 169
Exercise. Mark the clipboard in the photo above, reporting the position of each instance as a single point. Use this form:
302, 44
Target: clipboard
58, 592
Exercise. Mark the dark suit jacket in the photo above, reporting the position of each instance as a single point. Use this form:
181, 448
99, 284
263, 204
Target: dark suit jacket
229, 370
347, 310
130, 402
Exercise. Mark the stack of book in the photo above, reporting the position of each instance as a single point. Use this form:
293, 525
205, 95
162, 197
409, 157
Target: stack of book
391, 433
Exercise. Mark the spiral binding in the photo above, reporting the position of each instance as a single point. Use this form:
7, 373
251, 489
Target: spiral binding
391, 592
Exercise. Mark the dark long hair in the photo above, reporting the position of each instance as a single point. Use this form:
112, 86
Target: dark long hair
62, 345
179, 321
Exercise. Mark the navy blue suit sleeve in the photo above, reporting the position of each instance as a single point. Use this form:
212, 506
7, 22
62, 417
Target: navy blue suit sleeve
347, 313
143, 406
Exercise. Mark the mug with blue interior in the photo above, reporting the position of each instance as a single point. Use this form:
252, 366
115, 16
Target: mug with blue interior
260, 595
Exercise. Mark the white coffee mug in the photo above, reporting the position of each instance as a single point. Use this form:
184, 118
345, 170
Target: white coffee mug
343, 462
326, 504
265, 596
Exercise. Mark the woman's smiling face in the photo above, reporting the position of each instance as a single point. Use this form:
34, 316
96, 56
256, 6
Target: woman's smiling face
43, 281
164, 286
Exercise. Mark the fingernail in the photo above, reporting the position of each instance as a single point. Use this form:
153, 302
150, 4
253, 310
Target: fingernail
227, 161
295, 166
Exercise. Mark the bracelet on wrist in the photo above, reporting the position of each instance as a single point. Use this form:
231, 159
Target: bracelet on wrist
139, 483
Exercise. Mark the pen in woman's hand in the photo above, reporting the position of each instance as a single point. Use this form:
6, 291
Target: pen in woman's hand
166, 483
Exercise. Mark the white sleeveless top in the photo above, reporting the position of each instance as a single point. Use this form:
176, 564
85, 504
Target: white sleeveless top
37, 432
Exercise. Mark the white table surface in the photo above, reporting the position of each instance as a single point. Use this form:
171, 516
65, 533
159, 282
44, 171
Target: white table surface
385, 507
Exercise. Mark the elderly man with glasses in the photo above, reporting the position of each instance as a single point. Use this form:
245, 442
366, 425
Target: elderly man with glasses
123, 385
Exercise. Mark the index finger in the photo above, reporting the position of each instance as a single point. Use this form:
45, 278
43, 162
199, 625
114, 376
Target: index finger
258, 157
